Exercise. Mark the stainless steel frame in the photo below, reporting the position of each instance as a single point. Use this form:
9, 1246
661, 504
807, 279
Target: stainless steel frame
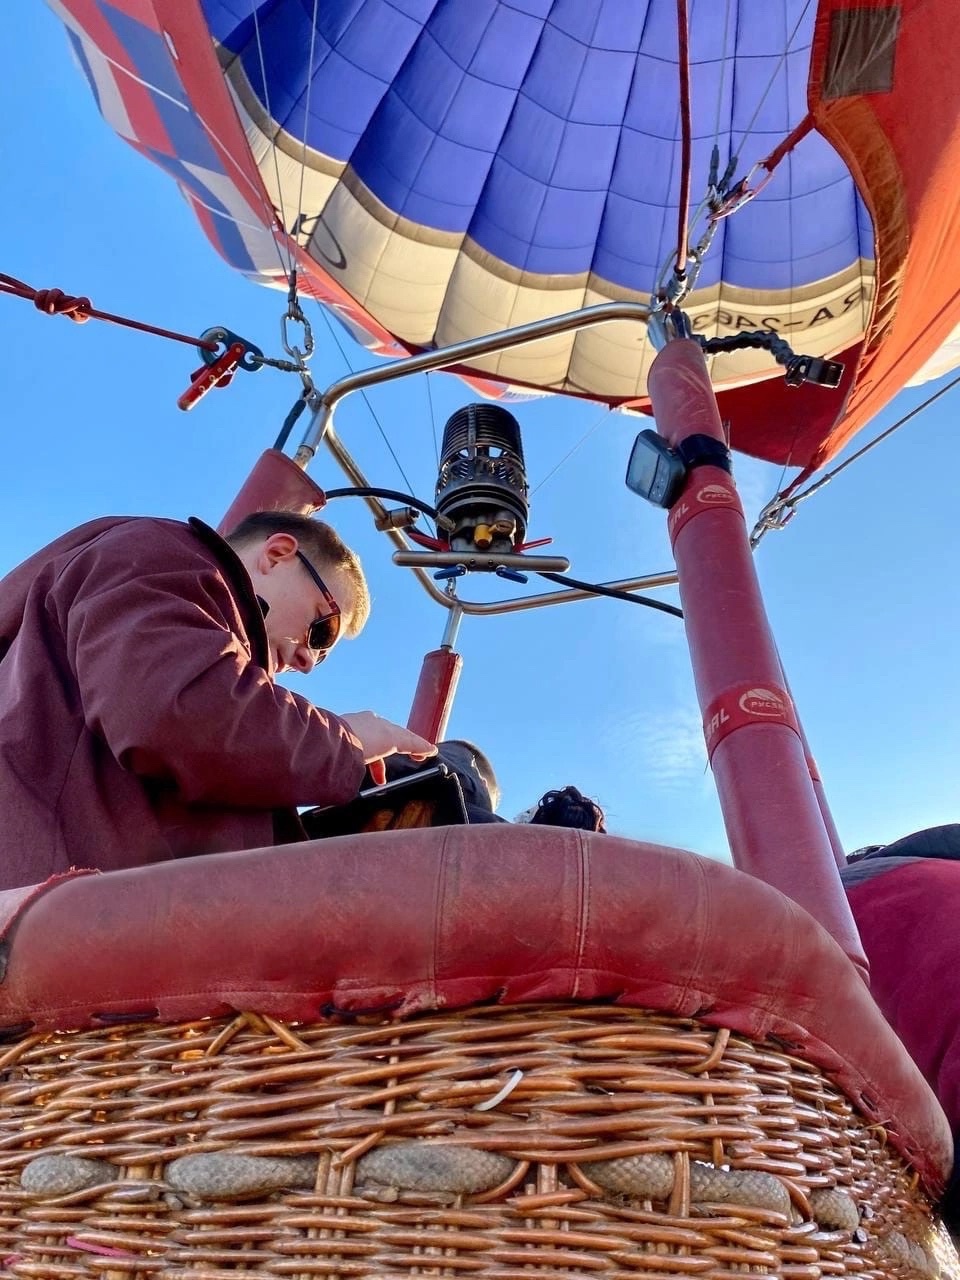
323, 406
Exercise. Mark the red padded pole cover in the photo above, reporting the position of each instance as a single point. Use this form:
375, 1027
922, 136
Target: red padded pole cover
770, 808
276, 483
436, 688
833, 835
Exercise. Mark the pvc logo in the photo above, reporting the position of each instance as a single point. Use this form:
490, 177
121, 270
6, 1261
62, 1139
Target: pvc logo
715, 495
743, 705
706, 497
763, 702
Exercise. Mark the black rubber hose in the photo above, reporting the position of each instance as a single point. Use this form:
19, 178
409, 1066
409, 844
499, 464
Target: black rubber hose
613, 592
593, 587
392, 494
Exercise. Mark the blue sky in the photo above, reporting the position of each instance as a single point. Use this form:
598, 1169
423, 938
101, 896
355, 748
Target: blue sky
861, 589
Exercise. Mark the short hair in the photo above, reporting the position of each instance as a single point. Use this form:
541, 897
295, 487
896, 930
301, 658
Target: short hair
321, 541
484, 767
569, 807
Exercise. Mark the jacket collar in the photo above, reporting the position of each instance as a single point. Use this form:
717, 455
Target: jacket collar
238, 580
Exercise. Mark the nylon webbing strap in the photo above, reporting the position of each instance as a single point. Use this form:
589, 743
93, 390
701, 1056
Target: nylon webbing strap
704, 451
745, 704
708, 495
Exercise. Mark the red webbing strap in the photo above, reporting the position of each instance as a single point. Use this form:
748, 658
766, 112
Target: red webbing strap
746, 704
54, 302
686, 136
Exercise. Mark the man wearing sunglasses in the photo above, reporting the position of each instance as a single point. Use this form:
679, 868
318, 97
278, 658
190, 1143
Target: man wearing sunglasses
139, 715
303, 623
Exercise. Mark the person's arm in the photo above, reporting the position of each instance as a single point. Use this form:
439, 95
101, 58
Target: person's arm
381, 738
173, 692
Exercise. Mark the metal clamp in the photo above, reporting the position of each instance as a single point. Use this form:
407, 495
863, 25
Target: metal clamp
664, 325
777, 514
252, 357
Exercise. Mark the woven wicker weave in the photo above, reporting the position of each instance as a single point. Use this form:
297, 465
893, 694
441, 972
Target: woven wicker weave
503, 1141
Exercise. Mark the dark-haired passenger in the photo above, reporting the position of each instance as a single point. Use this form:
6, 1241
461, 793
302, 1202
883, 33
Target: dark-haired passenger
566, 807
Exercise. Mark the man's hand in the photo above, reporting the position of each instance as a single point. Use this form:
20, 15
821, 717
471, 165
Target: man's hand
379, 738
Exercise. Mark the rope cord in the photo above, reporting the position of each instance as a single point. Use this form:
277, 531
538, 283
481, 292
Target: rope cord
54, 302
723, 75
686, 131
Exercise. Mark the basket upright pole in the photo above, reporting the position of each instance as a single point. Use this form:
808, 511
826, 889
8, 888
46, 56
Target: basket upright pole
770, 808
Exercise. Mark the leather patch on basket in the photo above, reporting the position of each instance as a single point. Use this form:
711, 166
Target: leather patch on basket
747, 704
712, 488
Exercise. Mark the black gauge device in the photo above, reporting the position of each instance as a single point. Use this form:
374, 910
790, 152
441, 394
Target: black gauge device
657, 472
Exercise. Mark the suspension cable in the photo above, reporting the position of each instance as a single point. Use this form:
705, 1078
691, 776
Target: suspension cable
723, 75
306, 117
724, 196
433, 420
772, 79
781, 509
570, 452
365, 398
287, 267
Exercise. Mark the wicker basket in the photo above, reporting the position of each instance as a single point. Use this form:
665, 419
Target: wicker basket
504, 1141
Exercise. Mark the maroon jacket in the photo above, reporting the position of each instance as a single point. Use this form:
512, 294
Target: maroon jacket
138, 721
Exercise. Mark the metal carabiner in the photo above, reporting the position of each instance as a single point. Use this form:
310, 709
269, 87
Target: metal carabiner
301, 355
294, 312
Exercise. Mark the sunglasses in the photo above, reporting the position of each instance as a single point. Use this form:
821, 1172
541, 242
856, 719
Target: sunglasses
323, 632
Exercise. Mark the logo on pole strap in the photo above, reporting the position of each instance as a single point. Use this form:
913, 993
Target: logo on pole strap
747, 704
709, 496
766, 703
716, 495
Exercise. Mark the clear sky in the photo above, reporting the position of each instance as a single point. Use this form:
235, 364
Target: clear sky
861, 589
